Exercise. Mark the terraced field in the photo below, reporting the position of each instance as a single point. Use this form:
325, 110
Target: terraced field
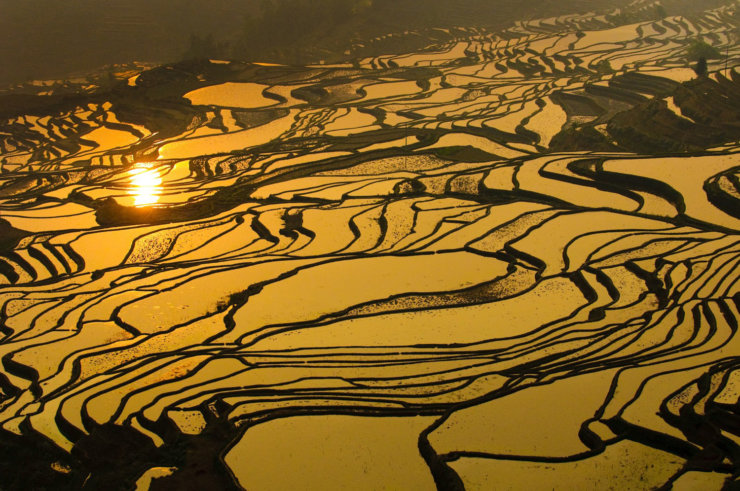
509, 262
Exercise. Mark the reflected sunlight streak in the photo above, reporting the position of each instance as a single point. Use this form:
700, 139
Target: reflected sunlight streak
146, 186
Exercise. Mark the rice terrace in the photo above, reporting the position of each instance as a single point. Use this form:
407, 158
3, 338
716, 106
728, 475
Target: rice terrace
454, 256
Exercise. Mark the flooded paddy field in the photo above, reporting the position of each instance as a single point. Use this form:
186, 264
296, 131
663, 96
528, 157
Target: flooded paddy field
507, 262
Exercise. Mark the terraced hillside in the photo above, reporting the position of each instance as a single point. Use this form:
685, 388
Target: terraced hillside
506, 262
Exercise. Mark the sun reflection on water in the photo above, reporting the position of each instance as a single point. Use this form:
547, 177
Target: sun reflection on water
146, 186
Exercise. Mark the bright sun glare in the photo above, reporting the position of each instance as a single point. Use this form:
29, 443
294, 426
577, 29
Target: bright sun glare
146, 186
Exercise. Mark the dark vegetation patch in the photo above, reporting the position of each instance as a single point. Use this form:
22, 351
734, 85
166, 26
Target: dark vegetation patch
581, 138
698, 49
712, 106
710, 116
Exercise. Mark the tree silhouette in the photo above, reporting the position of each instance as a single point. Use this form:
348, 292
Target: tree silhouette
701, 67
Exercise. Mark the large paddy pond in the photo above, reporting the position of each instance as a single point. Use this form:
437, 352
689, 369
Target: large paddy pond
392, 274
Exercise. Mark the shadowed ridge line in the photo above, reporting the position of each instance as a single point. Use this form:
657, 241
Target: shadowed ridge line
444, 476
